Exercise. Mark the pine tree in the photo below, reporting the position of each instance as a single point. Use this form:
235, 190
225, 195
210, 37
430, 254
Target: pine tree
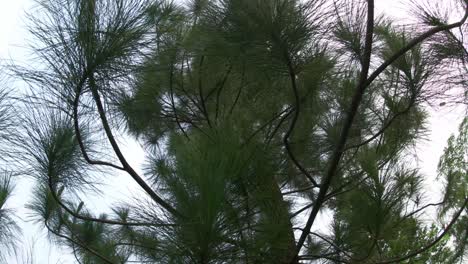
9, 229
256, 116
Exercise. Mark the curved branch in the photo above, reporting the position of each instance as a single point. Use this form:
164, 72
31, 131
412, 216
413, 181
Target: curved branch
90, 250
363, 84
92, 219
77, 129
292, 76
433, 243
118, 152
411, 45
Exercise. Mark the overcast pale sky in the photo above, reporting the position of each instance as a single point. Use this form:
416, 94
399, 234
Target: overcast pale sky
12, 45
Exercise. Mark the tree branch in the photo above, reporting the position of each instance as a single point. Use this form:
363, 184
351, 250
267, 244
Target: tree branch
337, 154
292, 77
363, 84
286, 112
92, 219
77, 129
200, 92
74, 242
239, 91
332, 244
171, 90
314, 257
298, 190
386, 126
413, 43
433, 243
118, 152
422, 208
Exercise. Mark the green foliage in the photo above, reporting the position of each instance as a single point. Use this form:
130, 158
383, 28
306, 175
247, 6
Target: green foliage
9, 229
251, 112
453, 167
53, 152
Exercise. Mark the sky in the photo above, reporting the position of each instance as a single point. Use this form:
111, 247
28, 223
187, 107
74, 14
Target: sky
13, 46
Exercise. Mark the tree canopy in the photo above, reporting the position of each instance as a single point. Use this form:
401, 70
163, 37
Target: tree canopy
256, 117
